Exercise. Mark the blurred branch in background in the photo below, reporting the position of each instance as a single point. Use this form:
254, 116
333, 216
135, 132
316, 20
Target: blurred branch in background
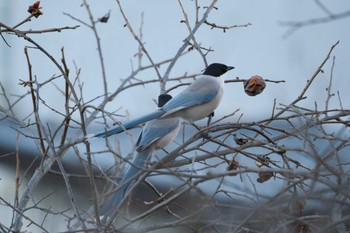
330, 17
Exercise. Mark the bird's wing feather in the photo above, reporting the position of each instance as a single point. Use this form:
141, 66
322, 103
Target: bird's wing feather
199, 92
128, 125
155, 130
149, 139
128, 179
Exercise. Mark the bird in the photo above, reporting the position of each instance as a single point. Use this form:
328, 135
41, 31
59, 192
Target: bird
196, 102
156, 134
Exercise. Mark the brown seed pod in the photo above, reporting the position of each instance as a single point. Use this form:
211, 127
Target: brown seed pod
264, 176
35, 9
233, 165
254, 85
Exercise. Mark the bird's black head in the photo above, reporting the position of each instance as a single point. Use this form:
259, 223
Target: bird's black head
163, 99
217, 69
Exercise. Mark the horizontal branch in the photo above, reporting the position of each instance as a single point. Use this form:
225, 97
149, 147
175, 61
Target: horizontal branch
10, 29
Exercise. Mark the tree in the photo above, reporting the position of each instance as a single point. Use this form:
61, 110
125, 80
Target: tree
281, 149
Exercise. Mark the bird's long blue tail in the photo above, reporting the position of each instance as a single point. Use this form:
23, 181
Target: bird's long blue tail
125, 183
128, 125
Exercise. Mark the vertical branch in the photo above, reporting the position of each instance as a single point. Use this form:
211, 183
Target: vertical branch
63, 138
185, 44
90, 169
99, 47
47, 161
93, 185
66, 104
9, 105
81, 111
329, 88
70, 192
308, 84
43, 150
196, 45
140, 35
139, 41
197, 8
317, 71
18, 182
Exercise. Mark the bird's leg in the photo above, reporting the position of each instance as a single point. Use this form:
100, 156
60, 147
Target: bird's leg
209, 118
204, 135
167, 152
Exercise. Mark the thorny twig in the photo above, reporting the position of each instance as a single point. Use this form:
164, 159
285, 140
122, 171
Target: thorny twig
225, 28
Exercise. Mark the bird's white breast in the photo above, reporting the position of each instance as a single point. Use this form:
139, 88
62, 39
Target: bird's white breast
195, 113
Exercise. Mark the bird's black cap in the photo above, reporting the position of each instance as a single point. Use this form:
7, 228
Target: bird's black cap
217, 69
163, 99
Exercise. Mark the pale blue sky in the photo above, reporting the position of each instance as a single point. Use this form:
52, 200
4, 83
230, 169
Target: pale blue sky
258, 49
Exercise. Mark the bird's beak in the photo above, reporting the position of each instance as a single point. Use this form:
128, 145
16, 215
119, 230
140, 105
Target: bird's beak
230, 68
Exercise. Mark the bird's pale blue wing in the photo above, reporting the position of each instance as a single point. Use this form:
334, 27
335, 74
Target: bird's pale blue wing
128, 179
199, 92
154, 130
148, 141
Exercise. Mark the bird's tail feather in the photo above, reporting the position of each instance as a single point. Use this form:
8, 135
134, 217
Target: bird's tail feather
126, 182
128, 125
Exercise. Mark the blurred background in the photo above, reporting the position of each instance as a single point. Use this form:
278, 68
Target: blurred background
269, 46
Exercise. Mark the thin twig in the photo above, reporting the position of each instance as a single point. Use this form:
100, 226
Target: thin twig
294, 26
185, 44
66, 104
17, 180
224, 28
43, 150
329, 88
128, 25
99, 46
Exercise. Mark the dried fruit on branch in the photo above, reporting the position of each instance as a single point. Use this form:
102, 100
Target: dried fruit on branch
264, 176
35, 9
233, 166
254, 85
